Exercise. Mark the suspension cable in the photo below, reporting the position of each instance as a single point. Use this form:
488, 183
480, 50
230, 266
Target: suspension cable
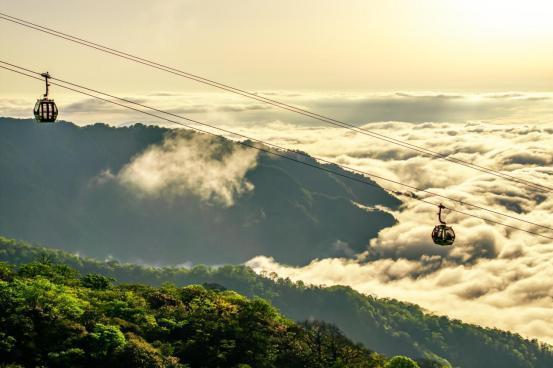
282, 155
424, 151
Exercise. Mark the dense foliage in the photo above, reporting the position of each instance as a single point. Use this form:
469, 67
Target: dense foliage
52, 317
388, 326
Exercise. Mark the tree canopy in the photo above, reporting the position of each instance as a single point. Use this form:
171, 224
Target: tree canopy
51, 317
401, 362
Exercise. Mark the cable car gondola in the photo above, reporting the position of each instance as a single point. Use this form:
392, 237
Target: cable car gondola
45, 110
442, 234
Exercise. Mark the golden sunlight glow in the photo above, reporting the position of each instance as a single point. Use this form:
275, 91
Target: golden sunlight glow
363, 45
513, 18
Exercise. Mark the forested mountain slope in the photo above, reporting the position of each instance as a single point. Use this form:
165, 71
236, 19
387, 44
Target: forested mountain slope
83, 189
388, 326
54, 317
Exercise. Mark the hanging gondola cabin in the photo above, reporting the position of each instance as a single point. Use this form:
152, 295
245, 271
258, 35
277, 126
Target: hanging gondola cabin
45, 109
442, 234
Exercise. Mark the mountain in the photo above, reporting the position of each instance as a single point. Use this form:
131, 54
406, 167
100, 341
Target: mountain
388, 326
73, 187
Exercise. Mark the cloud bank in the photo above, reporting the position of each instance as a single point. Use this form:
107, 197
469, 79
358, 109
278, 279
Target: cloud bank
355, 108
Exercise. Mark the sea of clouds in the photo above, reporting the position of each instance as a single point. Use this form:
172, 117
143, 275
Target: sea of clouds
493, 275
357, 108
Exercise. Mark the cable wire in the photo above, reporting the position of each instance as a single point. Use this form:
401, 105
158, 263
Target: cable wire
279, 154
424, 151
348, 168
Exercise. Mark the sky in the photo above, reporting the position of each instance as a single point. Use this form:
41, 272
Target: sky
471, 79
360, 45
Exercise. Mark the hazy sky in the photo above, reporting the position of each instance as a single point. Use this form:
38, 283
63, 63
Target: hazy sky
445, 45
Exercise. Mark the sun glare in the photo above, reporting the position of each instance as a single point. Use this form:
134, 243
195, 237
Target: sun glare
506, 17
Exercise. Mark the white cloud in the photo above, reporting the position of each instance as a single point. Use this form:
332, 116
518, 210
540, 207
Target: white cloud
197, 164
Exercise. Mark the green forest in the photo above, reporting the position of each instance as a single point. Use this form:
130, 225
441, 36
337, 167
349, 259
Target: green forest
60, 308
52, 316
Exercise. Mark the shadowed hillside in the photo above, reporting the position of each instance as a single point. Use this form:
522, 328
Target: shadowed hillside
61, 184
